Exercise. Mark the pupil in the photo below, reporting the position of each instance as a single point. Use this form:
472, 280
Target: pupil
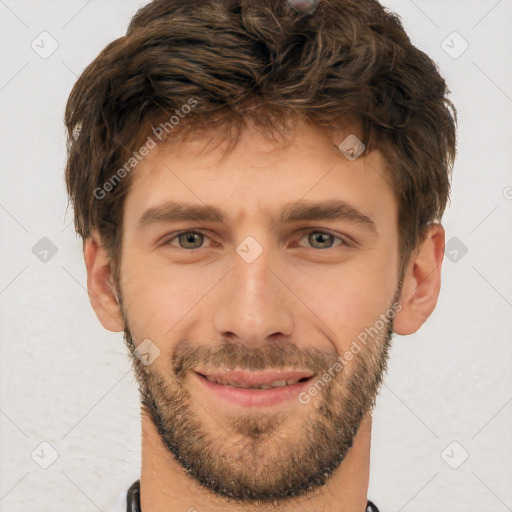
321, 238
189, 238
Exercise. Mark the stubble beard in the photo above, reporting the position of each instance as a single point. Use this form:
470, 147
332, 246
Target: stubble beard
252, 457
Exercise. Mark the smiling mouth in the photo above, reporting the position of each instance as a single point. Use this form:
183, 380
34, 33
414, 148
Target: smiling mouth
260, 389
256, 380
274, 384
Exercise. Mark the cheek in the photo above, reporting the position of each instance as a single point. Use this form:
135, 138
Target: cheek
351, 297
158, 299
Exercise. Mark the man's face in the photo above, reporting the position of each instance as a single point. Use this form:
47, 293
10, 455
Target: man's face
259, 294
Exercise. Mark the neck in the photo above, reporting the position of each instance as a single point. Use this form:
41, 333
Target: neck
165, 486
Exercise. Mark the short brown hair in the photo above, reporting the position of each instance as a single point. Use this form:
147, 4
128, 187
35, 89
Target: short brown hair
260, 60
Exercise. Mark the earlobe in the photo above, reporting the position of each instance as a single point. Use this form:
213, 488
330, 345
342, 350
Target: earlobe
101, 291
421, 282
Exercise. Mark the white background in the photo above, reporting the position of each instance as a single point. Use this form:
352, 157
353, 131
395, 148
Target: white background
67, 382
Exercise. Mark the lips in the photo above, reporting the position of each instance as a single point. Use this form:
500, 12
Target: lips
253, 389
256, 379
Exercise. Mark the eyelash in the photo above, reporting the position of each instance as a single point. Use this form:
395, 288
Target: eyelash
168, 241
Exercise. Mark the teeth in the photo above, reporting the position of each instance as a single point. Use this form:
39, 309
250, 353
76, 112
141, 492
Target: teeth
274, 384
238, 385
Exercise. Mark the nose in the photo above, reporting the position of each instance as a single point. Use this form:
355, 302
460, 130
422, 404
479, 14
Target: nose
254, 303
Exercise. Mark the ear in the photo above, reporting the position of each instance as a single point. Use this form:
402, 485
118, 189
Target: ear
100, 287
421, 282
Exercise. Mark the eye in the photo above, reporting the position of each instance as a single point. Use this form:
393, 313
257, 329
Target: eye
187, 239
190, 239
323, 239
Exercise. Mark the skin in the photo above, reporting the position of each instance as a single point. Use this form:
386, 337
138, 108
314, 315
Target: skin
299, 304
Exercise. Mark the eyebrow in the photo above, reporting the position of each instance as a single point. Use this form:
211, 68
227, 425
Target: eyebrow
301, 210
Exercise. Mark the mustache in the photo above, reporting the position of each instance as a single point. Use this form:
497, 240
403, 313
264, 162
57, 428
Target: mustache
232, 356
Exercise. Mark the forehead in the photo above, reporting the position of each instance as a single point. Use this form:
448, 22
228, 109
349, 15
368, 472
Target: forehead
259, 178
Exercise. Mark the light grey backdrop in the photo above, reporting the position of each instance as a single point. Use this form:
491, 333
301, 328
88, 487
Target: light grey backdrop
69, 415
